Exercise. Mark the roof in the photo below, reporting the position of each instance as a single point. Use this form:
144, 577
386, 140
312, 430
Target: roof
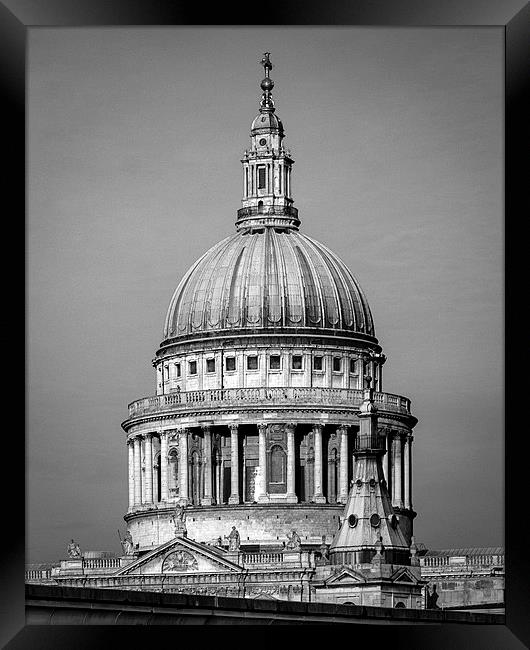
470, 550
268, 279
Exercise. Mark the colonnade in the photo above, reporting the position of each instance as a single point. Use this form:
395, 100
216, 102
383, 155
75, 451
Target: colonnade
149, 484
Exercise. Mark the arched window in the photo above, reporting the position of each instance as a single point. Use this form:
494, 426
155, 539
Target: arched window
260, 207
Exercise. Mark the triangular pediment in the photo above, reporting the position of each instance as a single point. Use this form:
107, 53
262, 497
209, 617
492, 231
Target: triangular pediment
345, 576
180, 556
403, 574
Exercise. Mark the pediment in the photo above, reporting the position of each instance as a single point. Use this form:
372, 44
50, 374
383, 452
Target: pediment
180, 556
404, 575
345, 576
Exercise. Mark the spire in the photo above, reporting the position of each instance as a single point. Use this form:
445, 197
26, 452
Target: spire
267, 165
267, 84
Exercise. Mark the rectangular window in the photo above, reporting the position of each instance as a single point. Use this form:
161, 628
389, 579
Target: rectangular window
317, 363
297, 362
210, 365
274, 362
336, 364
261, 178
192, 367
352, 366
166, 371
230, 363
177, 369
252, 363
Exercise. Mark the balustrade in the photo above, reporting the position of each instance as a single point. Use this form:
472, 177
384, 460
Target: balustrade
351, 397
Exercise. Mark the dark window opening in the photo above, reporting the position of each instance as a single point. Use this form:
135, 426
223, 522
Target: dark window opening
352, 366
252, 363
177, 367
336, 364
261, 178
317, 363
274, 362
210, 365
297, 362
193, 367
230, 363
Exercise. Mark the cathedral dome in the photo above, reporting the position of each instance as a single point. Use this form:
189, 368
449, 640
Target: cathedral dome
268, 279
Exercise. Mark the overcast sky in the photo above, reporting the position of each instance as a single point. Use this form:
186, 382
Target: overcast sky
135, 140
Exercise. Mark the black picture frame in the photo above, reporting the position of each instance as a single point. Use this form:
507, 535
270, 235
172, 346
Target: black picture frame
17, 17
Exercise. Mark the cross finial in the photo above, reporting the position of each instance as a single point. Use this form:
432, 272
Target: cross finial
266, 63
267, 84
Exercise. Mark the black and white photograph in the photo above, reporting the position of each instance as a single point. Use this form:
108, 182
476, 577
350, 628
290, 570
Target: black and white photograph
265, 324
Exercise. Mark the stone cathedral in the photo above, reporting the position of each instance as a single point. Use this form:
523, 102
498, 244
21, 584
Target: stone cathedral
270, 462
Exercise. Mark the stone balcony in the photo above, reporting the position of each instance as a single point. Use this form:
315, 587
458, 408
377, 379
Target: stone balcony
289, 397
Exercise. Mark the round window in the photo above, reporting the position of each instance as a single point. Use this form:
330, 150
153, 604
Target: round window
359, 483
352, 521
372, 483
263, 142
375, 520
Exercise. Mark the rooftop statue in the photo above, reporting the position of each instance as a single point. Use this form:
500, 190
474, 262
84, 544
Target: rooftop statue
127, 543
73, 549
233, 540
179, 520
294, 541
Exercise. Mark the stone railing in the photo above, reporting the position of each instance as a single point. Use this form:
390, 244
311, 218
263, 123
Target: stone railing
38, 575
230, 397
470, 560
262, 558
268, 210
101, 563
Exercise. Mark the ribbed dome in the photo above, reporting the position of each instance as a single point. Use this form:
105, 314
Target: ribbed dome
268, 279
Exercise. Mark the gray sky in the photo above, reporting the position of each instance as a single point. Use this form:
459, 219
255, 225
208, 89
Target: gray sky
135, 140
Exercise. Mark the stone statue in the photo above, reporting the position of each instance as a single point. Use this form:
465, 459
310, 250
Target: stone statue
233, 540
127, 543
294, 542
179, 520
432, 598
73, 549
324, 551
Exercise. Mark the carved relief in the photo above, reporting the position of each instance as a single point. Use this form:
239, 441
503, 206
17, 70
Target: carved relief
179, 561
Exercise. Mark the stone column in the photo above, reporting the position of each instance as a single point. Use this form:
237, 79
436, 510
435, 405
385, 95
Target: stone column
360, 373
407, 472
148, 468
234, 463
411, 438
163, 465
386, 461
137, 472
207, 454
318, 496
397, 498
183, 466
130, 448
262, 491
343, 473
290, 497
